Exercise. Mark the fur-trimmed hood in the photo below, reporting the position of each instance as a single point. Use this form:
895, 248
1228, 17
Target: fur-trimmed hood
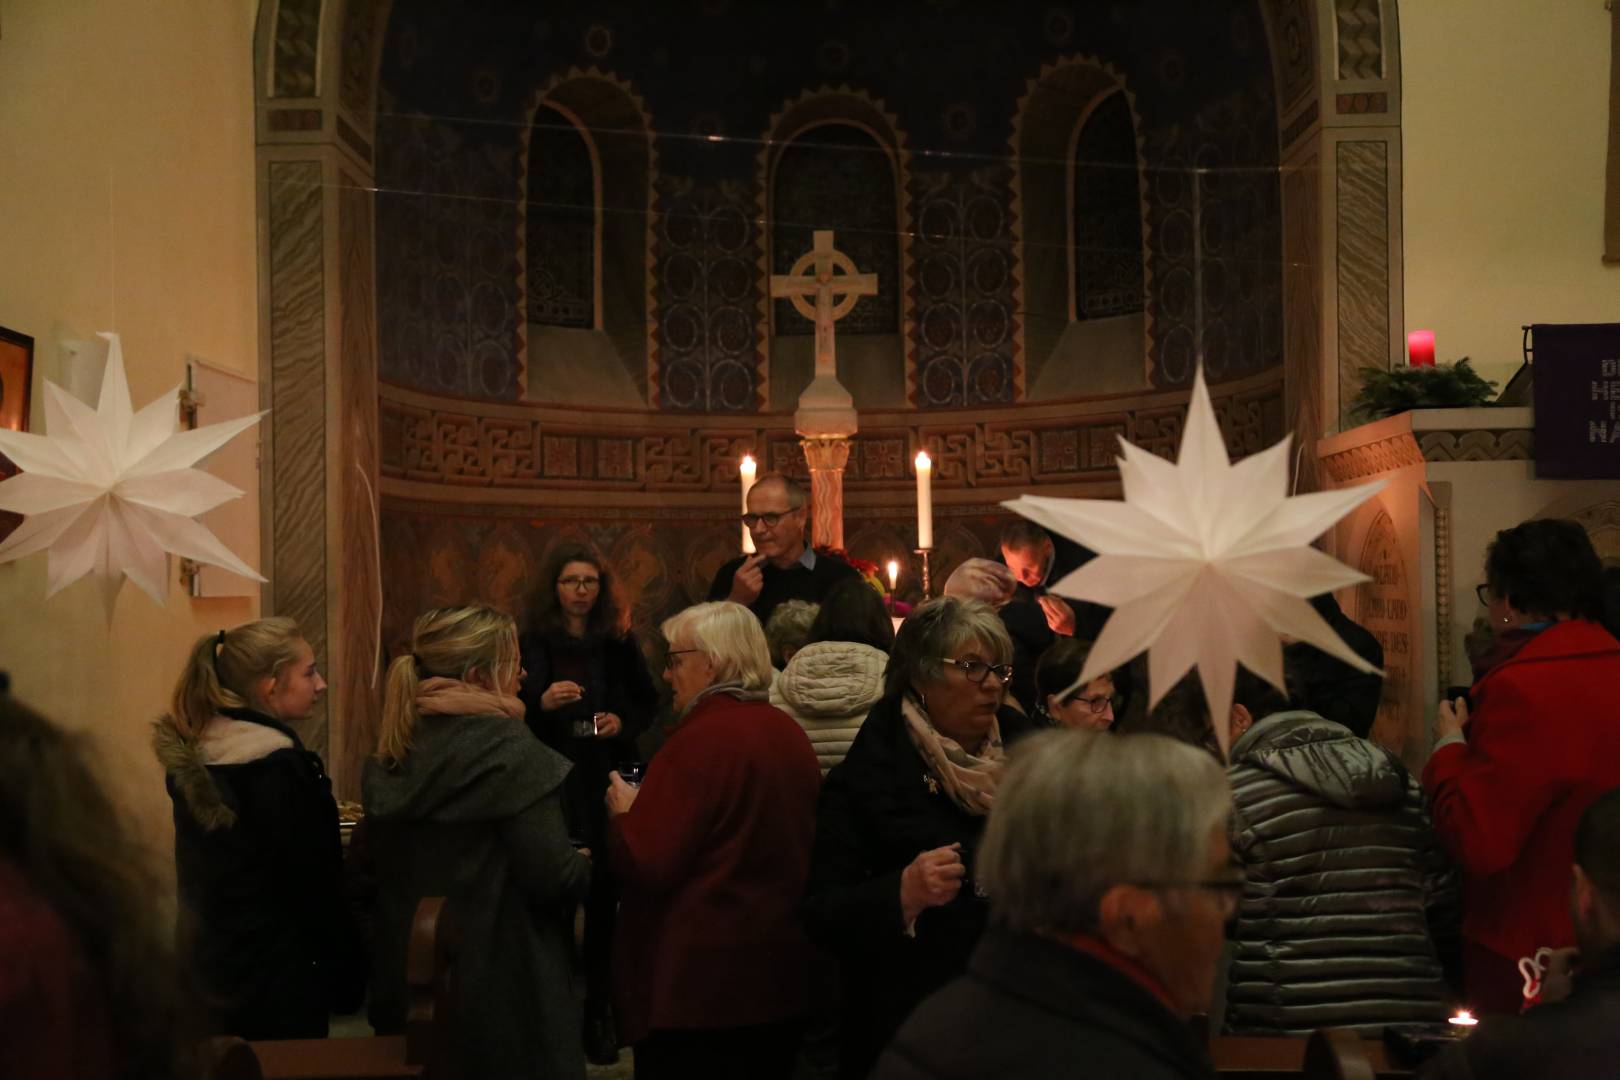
225, 740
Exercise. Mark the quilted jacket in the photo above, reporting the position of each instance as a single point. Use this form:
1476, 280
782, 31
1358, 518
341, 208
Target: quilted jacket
828, 688
1346, 884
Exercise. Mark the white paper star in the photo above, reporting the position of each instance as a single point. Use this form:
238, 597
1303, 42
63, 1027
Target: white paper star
109, 492
1205, 563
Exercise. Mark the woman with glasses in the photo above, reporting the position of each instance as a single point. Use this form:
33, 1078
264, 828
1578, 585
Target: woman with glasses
892, 888
1060, 703
1534, 743
588, 695
713, 850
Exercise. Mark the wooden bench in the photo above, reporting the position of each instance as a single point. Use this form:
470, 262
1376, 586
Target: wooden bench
1260, 1057
423, 1052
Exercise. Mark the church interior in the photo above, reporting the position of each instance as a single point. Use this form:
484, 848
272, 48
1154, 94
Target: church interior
502, 278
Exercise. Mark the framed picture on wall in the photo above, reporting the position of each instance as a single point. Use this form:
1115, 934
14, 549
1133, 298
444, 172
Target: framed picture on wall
16, 377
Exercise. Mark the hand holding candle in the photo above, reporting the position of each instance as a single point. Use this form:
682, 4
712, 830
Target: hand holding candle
925, 501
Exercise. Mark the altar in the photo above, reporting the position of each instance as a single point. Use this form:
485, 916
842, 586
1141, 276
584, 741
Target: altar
1455, 478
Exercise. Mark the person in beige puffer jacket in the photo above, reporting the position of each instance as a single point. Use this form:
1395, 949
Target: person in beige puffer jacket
831, 683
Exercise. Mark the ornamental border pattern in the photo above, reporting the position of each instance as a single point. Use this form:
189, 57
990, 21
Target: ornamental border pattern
1409, 448
466, 444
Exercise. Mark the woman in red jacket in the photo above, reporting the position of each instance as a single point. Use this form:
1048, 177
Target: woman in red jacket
1509, 783
713, 853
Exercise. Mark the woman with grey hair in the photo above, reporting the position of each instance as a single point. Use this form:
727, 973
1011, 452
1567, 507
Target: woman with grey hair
713, 851
892, 885
1111, 882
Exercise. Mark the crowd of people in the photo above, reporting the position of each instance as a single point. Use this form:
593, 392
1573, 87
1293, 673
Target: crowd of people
835, 846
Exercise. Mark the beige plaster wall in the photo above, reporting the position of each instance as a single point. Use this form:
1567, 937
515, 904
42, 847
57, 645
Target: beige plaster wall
126, 203
1503, 129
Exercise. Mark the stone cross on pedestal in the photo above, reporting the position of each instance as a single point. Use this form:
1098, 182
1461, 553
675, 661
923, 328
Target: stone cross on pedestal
825, 418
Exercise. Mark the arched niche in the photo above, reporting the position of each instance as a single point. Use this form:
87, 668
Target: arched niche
875, 366
1067, 355
604, 362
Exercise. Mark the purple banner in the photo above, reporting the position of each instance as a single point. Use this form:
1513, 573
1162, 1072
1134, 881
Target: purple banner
1576, 375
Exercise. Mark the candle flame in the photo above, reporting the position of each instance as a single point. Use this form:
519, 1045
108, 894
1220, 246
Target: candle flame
894, 573
1464, 1018
923, 460
747, 463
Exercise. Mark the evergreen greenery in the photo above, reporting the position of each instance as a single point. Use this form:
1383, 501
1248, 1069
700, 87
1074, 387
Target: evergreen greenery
1441, 386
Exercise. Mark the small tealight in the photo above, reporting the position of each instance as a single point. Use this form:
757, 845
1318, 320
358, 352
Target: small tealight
1463, 1022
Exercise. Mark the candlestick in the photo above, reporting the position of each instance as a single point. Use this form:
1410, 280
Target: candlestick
922, 556
925, 505
1420, 348
747, 471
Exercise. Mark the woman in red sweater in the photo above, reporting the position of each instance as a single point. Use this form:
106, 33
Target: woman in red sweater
713, 853
1509, 782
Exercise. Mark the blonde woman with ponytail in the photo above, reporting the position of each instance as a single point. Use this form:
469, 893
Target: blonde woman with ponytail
463, 802
256, 836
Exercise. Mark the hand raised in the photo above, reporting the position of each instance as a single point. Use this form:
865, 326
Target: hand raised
932, 879
560, 693
1059, 615
1449, 717
747, 582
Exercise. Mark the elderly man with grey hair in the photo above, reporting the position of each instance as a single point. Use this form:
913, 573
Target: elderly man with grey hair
893, 884
1110, 882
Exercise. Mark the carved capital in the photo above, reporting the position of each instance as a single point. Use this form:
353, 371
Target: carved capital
823, 455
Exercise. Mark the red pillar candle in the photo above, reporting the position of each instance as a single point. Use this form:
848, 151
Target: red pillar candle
1420, 348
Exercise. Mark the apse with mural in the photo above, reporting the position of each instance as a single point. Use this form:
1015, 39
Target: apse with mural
579, 207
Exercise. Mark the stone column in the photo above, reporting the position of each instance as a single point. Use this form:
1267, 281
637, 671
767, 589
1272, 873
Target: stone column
315, 71
826, 456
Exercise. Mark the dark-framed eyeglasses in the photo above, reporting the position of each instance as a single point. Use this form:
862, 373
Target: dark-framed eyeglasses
770, 521
669, 657
580, 584
976, 670
1486, 597
1096, 704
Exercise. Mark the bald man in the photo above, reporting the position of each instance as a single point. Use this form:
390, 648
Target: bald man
783, 566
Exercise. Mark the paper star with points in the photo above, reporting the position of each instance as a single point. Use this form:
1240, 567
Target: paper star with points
110, 492
1206, 563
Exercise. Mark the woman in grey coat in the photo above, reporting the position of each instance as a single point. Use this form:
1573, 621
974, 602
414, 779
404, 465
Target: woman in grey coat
462, 802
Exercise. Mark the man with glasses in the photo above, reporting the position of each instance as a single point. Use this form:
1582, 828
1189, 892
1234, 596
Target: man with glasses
783, 566
1110, 882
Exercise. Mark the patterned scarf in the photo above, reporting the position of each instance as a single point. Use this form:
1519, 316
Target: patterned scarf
438, 696
969, 779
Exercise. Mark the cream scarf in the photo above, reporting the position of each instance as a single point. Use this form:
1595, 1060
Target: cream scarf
438, 696
969, 779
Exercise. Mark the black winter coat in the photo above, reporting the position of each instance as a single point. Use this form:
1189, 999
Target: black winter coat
1346, 884
260, 865
877, 813
1029, 1008
618, 682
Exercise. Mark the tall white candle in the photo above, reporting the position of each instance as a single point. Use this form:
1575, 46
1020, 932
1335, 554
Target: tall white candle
747, 470
925, 500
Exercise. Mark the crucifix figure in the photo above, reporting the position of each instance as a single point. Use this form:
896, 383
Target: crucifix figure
825, 418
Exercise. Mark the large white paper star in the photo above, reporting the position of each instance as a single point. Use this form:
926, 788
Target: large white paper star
109, 492
1205, 563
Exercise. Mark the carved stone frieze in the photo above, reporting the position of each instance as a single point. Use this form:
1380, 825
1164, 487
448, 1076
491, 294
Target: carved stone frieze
496, 445
1516, 444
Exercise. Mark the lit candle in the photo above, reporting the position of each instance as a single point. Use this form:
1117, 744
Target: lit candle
1420, 348
747, 471
1464, 1021
894, 573
925, 500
